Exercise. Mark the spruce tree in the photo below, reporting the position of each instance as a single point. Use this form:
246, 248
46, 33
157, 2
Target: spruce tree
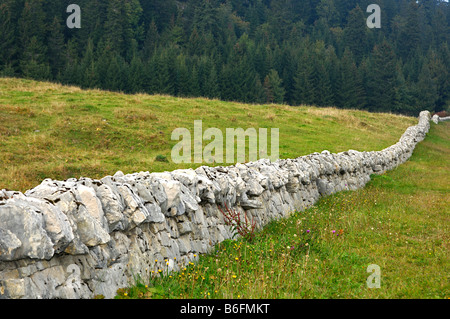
351, 92
410, 36
88, 68
211, 86
303, 90
151, 41
56, 46
183, 84
273, 87
355, 33
33, 64
8, 45
382, 78
34, 59
135, 75
258, 92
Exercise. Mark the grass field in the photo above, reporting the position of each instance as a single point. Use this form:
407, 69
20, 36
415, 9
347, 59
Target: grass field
398, 222
53, 131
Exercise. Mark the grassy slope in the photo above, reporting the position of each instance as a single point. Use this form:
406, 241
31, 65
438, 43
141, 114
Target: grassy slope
53, 131
399, 222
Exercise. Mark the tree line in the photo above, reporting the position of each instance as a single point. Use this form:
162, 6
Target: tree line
259, 51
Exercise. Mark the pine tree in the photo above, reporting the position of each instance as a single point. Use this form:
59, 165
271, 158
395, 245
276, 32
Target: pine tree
410, 35
135, 75
351, 90
194, 82
8, 45
93, 17
71, 72
88, 69
404, 100
194, 45
326, 10
258, 92
34, 60
164, 83
274, 88
33, 64
117, 74
182, 76
355, 34
122, 25
32, 23
382, 78
56, 47
303, 90
211, 86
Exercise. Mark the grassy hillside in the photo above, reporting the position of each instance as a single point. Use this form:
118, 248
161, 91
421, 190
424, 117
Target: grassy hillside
399, 221
53, 131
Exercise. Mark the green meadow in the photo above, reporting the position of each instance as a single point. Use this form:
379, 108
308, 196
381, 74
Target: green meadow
398, 222
53, 131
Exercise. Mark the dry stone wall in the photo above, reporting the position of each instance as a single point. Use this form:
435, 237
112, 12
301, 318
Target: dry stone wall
436, 119
84, 237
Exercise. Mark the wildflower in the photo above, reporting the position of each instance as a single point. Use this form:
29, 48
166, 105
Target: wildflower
234, 276
236, 258
334, 231
308, 231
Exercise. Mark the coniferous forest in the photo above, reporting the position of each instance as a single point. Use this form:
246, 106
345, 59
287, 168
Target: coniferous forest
313, 52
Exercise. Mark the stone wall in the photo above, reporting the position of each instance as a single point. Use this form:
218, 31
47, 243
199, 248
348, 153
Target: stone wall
84, 237
436, 119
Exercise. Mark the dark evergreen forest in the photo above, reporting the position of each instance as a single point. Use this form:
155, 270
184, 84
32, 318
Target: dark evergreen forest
313, 52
